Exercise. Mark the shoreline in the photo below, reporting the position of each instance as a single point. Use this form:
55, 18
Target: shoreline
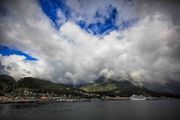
43, 101
73, 100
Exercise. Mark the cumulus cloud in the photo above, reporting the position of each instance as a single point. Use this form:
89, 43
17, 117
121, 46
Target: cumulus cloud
145, 53
18, 67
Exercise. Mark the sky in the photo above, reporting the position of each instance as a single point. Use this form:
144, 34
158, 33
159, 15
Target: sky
78, 41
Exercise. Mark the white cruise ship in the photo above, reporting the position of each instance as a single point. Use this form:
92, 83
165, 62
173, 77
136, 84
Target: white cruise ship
137, 97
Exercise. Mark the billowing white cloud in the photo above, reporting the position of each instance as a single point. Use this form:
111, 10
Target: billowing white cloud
147, 52
18, 67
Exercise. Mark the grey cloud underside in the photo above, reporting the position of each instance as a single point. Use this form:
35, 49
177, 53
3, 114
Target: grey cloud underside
149, 52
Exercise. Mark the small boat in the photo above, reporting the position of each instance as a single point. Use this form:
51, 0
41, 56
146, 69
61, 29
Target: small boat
137, 97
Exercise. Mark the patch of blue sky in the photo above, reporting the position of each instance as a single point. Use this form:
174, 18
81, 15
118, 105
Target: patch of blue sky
6, 51
108, 24
102, 24
50, 8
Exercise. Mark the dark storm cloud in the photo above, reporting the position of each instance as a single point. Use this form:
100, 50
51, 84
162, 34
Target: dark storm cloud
169, 7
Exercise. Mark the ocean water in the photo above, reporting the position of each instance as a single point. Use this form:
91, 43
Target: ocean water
105, 110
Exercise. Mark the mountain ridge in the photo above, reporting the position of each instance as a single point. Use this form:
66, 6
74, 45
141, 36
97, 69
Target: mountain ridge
100, 88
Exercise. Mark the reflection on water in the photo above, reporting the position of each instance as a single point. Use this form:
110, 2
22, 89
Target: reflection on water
23, 106
107, 110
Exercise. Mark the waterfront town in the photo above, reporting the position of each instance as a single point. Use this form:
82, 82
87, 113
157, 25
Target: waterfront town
30, 97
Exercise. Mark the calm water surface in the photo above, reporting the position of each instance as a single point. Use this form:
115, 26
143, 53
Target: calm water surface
106, 110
